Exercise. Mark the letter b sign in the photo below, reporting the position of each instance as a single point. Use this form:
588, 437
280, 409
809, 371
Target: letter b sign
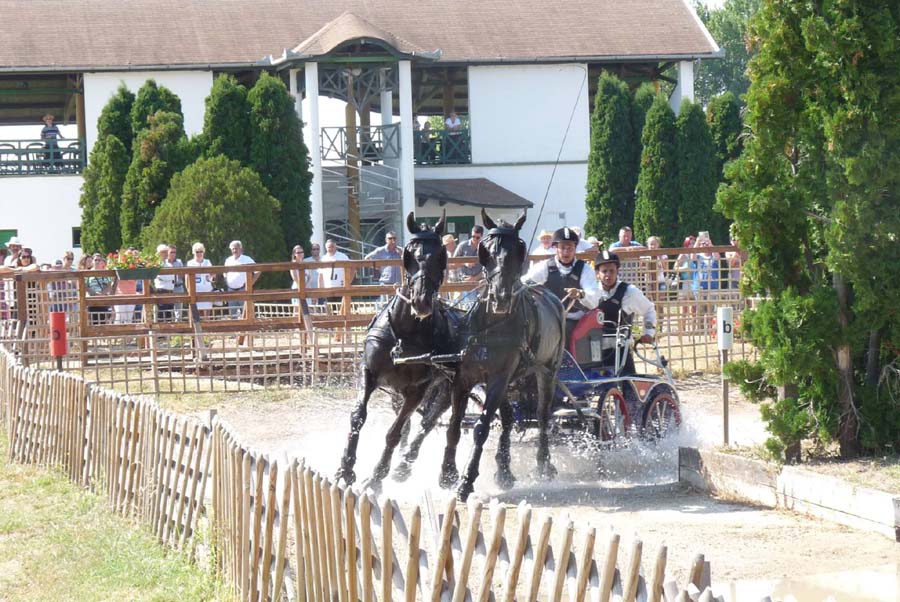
725, 322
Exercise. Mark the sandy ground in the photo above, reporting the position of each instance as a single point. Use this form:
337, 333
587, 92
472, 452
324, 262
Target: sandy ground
634, 493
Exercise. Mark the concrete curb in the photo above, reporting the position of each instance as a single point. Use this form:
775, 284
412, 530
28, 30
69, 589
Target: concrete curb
792, 488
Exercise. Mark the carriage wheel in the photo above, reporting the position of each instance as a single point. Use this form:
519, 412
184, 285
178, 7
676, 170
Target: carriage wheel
614, 422
662, 416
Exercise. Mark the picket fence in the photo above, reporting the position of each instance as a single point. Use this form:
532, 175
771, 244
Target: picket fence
277, 530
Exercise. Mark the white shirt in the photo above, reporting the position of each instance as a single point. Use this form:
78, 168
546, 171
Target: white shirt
333, 277
312, 276
583, 246
635, 303
202, 281
540, 250
235, 280
165, 282
588, 283
452, 123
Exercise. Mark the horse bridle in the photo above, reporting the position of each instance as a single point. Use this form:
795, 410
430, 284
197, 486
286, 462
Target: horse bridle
421, 274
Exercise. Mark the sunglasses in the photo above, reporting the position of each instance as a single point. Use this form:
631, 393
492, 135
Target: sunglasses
26, 256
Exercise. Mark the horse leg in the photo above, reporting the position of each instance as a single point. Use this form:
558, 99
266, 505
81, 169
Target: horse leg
392, 439
504, 477
433, 412
357, 420
458, 400
496, 391
545, 469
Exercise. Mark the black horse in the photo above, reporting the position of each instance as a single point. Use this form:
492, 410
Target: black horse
410, 324
512, 332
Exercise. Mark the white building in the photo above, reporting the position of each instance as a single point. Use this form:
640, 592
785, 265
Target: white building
522, 80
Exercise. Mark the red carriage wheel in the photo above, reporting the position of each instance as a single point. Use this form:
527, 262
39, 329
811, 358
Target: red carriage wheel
662, 415
614, 423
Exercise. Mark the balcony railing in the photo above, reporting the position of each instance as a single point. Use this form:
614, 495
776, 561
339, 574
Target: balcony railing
373, 143
39, 157
442, 147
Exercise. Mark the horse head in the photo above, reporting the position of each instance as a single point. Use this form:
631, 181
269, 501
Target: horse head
425, 262
502, 254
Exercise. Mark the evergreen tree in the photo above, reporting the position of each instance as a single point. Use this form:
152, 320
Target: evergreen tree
814, 197
643, 99
160, 151
697, 180
657, 188
102, 196
115, 117
215, 201
724, 116
728, 26
150, 99
226, 123
611, 168
280, 157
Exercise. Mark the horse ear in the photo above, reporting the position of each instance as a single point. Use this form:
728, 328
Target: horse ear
522, 250
411, 223
486, 220
409, 261
521, 221
484, 256
439, 226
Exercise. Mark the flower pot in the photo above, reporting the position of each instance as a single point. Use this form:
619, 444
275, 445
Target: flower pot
137, 273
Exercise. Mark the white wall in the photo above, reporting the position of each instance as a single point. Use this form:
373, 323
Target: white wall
44, 209
565, 200
521, 112
192, 87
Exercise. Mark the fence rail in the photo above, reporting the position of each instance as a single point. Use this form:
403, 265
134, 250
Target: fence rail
282, 531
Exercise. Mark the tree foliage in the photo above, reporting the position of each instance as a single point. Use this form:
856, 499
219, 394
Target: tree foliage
814, 197
697, 178
612, 172
102, 196
226, 123
725, 125
728, 27
160, 152
279, 155
657, 188
115, 117
151, 99
214, 201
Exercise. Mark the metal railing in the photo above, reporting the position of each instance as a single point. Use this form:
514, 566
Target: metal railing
41, 157
443, 147
373, 143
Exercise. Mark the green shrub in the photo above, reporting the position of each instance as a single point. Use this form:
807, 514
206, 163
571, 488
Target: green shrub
657, 189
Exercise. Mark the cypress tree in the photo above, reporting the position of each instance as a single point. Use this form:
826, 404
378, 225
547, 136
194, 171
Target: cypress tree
226, 123
216, 200
697, 181
657, 188
100, 227
115, 117
643, 99
150, 99
611, 168
724, 116
160, 151
279, 155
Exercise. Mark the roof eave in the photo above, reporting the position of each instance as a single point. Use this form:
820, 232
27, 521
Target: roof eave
110, 68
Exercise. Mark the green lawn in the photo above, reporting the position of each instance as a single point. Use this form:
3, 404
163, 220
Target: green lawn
58, 542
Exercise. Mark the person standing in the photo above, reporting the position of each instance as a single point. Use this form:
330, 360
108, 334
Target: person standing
203, 283
50, 134
334, 277
569, 278
298, 256
470, 271
237, 281
315, 256
545, 244
165, 284
14, 247
388, 275
179, 280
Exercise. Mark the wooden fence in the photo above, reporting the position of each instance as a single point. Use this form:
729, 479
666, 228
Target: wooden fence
282, 531
269, 342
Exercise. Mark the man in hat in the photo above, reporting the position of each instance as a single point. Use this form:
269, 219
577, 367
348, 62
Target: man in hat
620, 301
15, 247
50, 134
545, 246
569, 278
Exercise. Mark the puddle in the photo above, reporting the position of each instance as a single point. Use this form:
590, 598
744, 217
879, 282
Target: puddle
878, 584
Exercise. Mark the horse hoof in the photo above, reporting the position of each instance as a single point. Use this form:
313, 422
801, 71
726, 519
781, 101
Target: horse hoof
401, 472
547, 472
449, 478
464, 491
505, 480
345, 475
373, 484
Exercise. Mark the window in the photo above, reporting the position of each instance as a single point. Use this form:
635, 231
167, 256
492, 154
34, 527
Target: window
5, 235
76, 238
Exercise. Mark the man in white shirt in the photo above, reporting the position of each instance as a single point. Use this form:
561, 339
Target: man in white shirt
545, 246
569, 278
334, 277
164, 283
237, 281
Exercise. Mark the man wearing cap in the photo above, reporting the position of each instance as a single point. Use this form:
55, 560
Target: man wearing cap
545, 246
569, 278
15, 247
237, 281
620, 301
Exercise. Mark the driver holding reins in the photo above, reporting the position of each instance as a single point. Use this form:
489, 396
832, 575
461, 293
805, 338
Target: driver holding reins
620, 301
570, 279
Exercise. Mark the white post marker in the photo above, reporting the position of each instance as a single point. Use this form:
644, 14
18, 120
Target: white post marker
725, 338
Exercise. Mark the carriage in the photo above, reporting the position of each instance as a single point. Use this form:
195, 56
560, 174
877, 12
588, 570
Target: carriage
597, 394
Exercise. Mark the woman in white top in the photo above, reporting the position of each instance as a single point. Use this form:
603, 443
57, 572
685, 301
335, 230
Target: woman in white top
203, 282
297, 256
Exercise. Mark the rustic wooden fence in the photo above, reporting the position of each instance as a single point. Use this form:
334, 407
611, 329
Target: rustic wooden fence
280, 531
